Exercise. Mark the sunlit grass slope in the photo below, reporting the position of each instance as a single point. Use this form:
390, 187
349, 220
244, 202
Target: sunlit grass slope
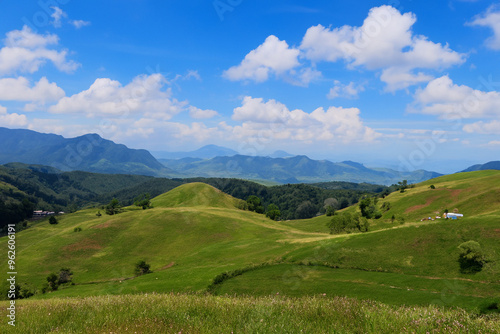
196, 232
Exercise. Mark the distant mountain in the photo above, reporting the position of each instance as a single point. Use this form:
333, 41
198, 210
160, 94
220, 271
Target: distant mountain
87, 153
489, 165
296, 169
205, 152
281, 154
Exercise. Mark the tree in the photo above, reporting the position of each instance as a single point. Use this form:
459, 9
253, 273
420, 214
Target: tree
142, 268
273, 212
65, 276
53, 283
402, 185
330, 205
254, 204
113, 207
143, 201
305, 210
330, 211
471, 258
53, 220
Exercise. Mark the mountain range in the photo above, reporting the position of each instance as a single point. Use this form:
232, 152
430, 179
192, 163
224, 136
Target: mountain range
92, 153
297, 169
89, 152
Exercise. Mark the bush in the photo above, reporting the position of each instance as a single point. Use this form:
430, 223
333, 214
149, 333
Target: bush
53, 283
471, 258
273, 212
113, 207
53, 220
77, 229
348, 223
65, 276
142, 268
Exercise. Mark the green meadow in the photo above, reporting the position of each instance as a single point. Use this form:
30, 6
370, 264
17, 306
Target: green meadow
218, 268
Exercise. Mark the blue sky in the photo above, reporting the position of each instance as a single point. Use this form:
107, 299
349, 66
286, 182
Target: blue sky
402, 84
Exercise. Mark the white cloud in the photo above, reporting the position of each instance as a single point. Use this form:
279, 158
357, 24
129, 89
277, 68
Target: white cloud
271, 57
273, 119
144, 95
79, 23
26, 51
12, 120
57, 16
349, 91
20, 89
443, 98
201, 113
482, 127
490, 19
385, 42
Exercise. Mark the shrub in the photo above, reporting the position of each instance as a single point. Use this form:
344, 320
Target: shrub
142, 268
273, 212
53, 220
65, 276
77, 229
471, 258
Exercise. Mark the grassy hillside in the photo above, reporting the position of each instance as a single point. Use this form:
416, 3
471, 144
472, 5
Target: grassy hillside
195, 233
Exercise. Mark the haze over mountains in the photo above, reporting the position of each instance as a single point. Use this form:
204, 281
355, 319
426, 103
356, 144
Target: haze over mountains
94, 154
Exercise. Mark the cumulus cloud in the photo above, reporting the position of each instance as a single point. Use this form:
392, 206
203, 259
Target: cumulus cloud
198, 113
145, 95
26, 51
274, 119
384, 42
271, 57
21, 89
12, 120
349, 91
482, 127
443, 98
490, 19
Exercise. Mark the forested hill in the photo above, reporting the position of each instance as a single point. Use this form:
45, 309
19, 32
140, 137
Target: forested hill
27, 187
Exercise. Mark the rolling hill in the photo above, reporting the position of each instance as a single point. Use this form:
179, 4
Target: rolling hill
195, 232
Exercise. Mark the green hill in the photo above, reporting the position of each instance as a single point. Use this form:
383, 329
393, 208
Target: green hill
197, 194
472, 193
196, 239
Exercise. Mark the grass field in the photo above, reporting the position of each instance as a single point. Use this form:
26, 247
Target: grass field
188, 313
195, 233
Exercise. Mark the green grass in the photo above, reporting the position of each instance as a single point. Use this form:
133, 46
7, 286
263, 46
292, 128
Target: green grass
187, 313
389, 288
196, 232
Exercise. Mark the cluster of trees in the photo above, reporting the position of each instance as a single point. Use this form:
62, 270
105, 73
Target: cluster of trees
13, 212
54, 280
368, 207
348, 223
